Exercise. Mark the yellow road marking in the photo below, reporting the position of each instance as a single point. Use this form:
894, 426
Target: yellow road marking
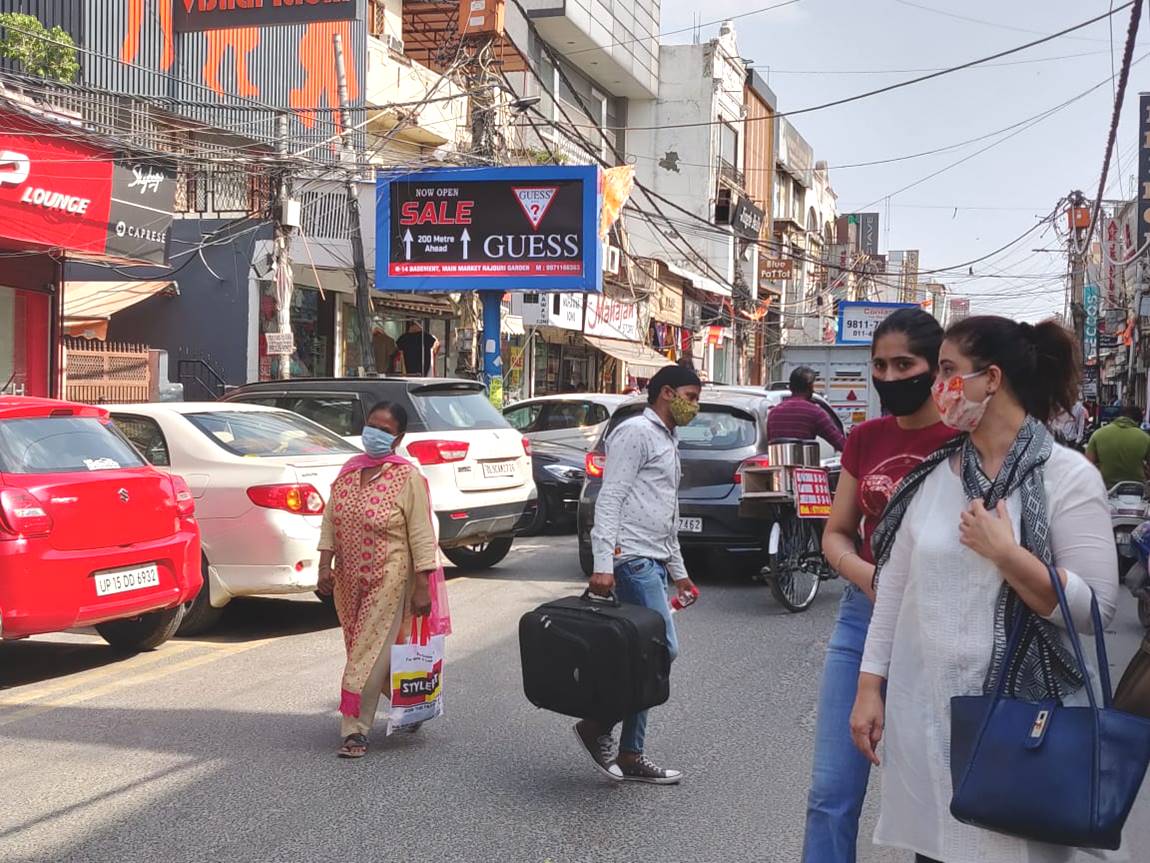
166, 671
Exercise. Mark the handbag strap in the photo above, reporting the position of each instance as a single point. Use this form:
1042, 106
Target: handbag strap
420, 631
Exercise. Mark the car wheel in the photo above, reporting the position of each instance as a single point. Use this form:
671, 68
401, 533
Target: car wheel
586, 560
146, 632
539, 523
482, 556
199, 614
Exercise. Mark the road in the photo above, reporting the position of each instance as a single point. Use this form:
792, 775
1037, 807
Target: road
222, 748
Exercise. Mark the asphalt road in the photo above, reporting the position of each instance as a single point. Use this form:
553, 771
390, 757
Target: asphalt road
222, 748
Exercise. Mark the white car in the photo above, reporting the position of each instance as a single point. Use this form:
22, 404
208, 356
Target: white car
260, 478
572, 420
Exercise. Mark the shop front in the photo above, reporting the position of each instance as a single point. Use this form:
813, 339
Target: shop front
614, 327
391, 319
552, 357
666, 333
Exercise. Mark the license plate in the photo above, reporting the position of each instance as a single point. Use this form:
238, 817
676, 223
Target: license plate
125, 580
690, 525
498, 468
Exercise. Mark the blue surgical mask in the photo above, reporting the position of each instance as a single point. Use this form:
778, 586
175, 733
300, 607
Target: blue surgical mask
377, 442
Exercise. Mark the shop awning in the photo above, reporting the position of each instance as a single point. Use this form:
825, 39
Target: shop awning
702, 283
421, 305
513, 325
89, 305
642, 361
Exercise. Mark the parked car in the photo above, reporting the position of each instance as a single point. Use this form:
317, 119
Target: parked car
575, 420
559, 472
90, 534
477, 466
730, 429
261, 478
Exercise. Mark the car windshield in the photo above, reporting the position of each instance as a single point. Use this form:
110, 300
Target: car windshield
457, 409
717, 429
265, 434
63, 445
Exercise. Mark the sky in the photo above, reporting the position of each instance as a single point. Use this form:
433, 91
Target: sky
816, 51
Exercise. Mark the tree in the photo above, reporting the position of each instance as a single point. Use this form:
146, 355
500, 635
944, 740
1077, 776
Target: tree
42, 52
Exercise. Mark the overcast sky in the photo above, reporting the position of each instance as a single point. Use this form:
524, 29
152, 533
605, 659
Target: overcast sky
802, 48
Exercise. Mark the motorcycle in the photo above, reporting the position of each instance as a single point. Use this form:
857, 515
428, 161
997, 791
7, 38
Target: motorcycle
1128, 509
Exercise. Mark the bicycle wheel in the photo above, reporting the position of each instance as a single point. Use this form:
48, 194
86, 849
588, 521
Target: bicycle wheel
794, 566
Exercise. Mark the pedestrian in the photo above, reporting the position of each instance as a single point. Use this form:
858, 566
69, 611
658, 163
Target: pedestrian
377, 550
878, 454
635, 542
1121, 449
962, 555
800, 417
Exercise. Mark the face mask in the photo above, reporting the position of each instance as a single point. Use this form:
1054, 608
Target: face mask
683, 411
903, 397
377, 442
956, 410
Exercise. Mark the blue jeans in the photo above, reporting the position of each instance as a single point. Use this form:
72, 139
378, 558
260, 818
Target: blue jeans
642, 581
840, 772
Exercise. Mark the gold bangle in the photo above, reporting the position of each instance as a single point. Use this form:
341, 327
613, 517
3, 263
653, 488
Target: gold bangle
839, 562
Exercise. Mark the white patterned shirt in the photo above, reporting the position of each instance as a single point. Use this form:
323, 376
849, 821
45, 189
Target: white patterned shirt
637, 511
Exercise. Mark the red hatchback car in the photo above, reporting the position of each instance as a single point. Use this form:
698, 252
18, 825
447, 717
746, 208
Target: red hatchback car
90, 534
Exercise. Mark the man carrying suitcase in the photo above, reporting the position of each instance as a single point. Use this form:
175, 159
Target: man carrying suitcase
635, 542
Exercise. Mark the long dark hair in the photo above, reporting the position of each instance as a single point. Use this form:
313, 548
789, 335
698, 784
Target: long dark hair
923, 333
1040, 363
398, 412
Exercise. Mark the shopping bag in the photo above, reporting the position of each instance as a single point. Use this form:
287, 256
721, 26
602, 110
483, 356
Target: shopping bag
416, 678
1133, 692
440, 616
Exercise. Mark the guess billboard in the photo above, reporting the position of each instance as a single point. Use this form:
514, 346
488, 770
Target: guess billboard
530, 228
194, 15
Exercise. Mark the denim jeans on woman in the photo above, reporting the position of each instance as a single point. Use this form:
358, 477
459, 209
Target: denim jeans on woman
840, 772
642, 581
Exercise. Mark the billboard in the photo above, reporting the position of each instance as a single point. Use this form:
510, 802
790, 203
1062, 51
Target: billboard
867, 231
532, 228
140, 216
190, 16
1090, 332
858, 321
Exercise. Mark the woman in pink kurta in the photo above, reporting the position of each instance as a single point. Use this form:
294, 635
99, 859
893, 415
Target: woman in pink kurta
377, 549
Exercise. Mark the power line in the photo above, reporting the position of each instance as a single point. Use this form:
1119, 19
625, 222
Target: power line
773, 71
971, 20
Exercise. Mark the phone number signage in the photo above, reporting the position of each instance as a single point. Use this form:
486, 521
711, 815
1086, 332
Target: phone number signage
858, 321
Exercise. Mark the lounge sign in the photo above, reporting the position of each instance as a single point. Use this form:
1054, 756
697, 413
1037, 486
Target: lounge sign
190, 16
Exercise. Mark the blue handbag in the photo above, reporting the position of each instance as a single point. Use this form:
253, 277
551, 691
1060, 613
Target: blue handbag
1044, 771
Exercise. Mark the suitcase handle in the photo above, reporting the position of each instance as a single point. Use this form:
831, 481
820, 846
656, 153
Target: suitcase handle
611, 598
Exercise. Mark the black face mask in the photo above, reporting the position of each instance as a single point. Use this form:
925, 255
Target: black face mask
903, 397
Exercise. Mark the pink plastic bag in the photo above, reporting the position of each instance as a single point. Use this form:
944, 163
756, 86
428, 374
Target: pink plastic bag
440, 617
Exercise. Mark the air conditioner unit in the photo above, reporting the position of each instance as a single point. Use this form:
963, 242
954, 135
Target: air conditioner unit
394, 43
612, 260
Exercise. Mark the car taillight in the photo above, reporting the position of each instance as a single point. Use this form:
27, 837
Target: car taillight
753, 461
302, 499
22, 514
527, 447
185, 503
596, 463
438, 451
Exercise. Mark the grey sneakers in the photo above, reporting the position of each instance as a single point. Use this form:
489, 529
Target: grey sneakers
645, 770
601, 748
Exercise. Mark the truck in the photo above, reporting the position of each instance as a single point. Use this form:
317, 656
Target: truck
844, 378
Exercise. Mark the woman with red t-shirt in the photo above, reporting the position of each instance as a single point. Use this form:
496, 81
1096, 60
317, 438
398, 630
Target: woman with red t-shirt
878, 454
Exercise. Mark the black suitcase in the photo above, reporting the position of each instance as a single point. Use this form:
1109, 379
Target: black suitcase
594, 658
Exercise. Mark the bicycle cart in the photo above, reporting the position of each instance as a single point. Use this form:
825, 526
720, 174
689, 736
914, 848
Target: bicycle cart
790, 491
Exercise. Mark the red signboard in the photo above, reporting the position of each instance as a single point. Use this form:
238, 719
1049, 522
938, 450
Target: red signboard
812, 492
54, 192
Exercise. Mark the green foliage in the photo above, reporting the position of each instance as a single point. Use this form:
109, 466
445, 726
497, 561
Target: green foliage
534, 156
42, 52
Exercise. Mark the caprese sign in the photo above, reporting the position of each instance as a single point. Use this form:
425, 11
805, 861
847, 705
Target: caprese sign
195, 15
529, 228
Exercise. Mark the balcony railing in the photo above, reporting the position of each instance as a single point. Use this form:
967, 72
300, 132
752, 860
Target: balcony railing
732, 175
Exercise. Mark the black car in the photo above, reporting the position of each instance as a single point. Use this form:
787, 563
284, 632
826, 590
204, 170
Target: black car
731, 429
559, 471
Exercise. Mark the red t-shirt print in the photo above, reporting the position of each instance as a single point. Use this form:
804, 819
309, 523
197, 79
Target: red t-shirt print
879, 454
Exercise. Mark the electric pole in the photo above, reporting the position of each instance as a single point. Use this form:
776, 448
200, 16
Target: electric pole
281, 256
363, 308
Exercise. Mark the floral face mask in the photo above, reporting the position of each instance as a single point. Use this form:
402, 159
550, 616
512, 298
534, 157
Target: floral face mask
955, 409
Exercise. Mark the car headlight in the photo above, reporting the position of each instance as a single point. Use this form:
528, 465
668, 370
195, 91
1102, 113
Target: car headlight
565, 473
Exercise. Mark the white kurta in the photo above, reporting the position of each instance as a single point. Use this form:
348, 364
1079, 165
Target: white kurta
932, 634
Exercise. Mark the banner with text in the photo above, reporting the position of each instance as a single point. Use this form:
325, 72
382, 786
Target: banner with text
858, 321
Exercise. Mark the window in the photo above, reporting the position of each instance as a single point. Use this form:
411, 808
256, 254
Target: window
342, 415
451, 409
524, 417
599, 414
268, 434
146, 436
63, 445
713, 429
728, 144
566, 415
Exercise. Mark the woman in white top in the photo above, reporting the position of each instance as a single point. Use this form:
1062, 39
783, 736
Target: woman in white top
962, 552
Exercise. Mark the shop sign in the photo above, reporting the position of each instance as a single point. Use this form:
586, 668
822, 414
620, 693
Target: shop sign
858, 321
748, 219
1090, 329
812, 492
140, 217
1090, 382
550, 310
280, 344
190, 16
612, 319
692, 314
774, 269
530, 228
668, 304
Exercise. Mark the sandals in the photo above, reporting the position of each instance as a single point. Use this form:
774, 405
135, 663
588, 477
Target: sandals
354, 746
